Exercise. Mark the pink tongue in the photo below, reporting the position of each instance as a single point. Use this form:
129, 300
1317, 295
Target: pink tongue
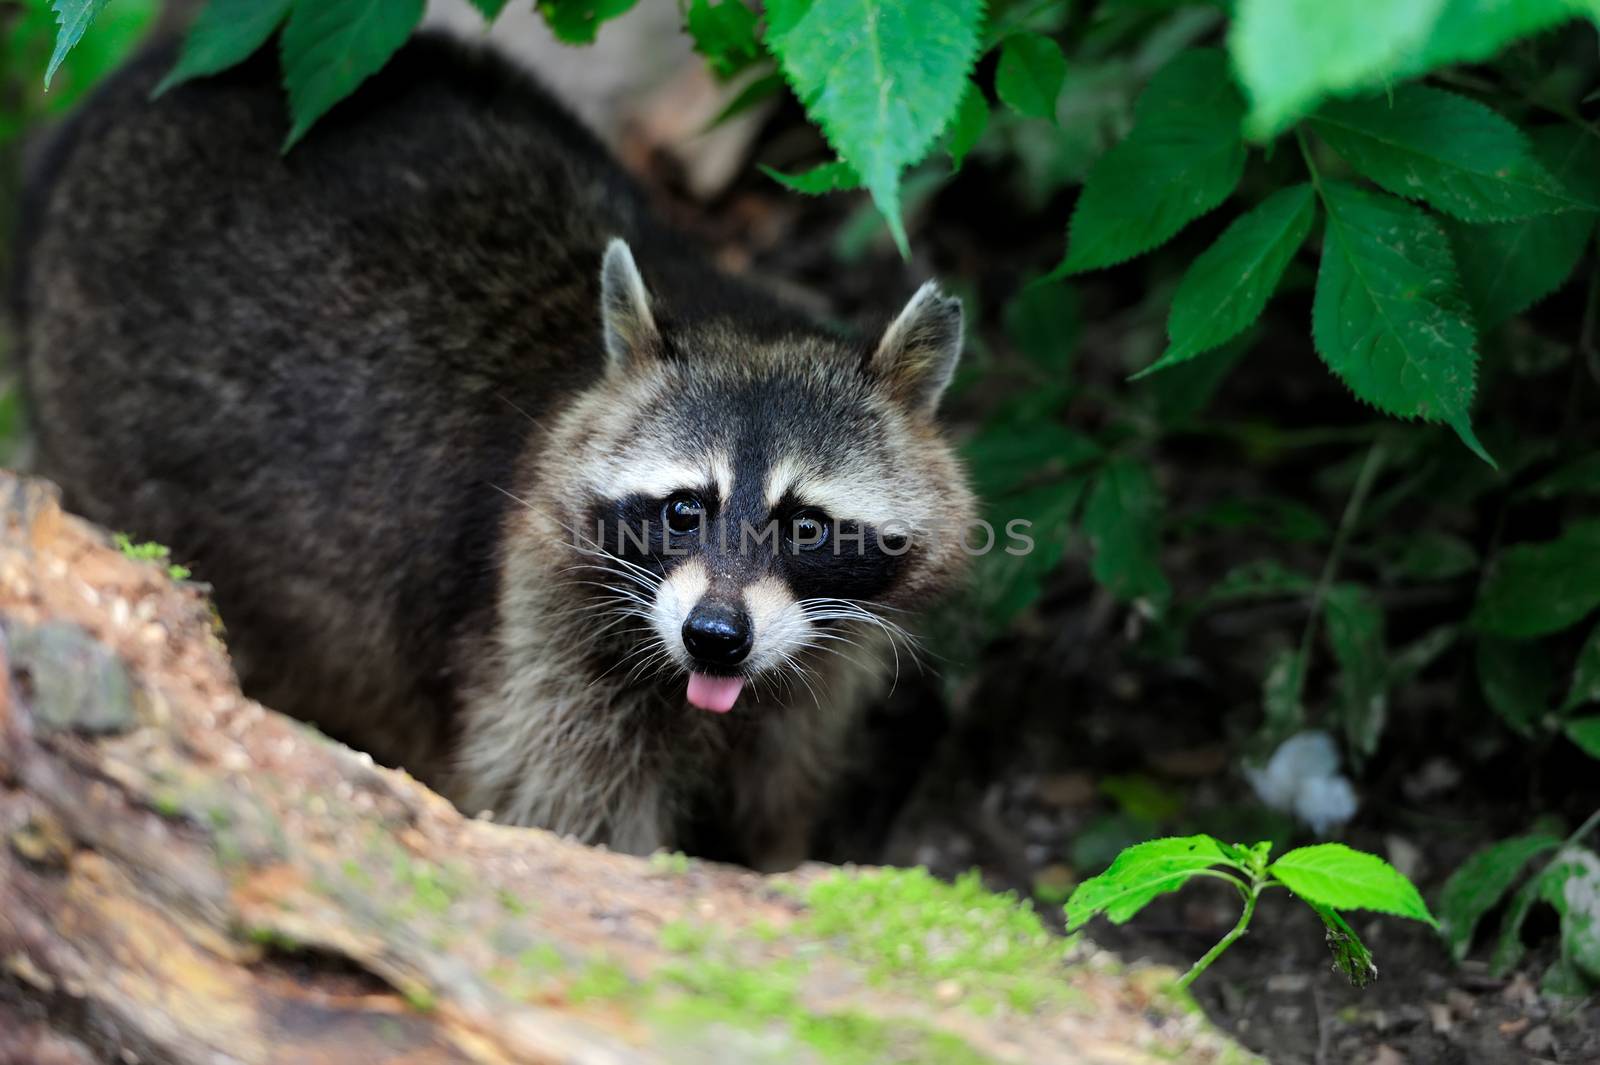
716, 694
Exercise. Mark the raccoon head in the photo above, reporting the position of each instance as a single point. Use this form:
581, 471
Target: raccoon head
743, 504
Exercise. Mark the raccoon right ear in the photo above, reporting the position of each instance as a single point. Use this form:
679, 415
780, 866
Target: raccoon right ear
919, 351
630, 327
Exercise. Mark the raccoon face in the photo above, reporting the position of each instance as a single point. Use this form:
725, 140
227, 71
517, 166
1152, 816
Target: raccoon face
746, 507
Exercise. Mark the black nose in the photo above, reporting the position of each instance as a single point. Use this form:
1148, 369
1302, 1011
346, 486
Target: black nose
717, 635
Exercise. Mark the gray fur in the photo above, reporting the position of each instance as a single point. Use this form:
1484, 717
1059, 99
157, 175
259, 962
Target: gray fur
370, 389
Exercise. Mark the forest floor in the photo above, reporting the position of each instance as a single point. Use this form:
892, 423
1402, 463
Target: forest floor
1064, 742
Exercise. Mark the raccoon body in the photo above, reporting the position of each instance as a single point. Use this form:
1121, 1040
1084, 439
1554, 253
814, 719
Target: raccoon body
470, 447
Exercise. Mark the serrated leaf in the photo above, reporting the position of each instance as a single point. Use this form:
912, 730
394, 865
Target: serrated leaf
725, 33
1508, 267
1030, 74
1183, 157
1123, 522
1292, 53
225, 33
1227, 287
1472, 30
972, 118
1141, 873
1516, 681
1350, 956
1355, 633
1586, 675
882, 79
1533, 589
1333, 875
1585, 732
1388, 317
73, 17
822, 178
1481, 882
579, 21
1449, 151
758, 90
331, 46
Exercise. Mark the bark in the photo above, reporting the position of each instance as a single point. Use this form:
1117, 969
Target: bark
186, 876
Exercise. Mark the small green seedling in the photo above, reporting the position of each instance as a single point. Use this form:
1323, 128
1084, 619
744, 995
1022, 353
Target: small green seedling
1328, 877
150, 552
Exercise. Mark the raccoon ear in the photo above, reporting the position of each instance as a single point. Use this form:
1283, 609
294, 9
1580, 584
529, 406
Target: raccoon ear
630, 328
918, 352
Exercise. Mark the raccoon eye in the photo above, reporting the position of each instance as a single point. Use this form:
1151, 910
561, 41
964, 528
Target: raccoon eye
808, 529
683, 513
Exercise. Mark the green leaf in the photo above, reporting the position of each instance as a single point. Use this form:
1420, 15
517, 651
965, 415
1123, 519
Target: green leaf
1228, 285
1031, 72
1183, 157
1141, 873
1355, 632
1420, 653
1389, 318
1123, 522
1578, 477
1586, 676
225, 33
1446, 150
1042, 321
1472, 30
332, 46
73, 18
1007, 584
725, 33
579, 21
882, 79
1533, 589
1292, 53
1283, 713
489, 9
1585, 732
972, 118
823, 178
1333, 875
1507, 268
1429, 555
1508, 948
1516, 681
1481, 882
1572, 886
1350, 956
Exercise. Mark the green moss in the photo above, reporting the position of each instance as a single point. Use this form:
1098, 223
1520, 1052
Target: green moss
759, 999
431, 887
166, 804
675, 863
601, 979
420, 998
273, 938
511, 904
905, 925
150, 552
683, 937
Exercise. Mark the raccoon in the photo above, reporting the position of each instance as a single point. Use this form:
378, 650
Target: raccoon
493, 475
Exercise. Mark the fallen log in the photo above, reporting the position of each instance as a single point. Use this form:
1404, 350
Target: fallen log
186, 876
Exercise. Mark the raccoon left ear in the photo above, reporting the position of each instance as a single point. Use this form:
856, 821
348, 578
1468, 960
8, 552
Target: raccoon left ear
919, 351
630, 327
